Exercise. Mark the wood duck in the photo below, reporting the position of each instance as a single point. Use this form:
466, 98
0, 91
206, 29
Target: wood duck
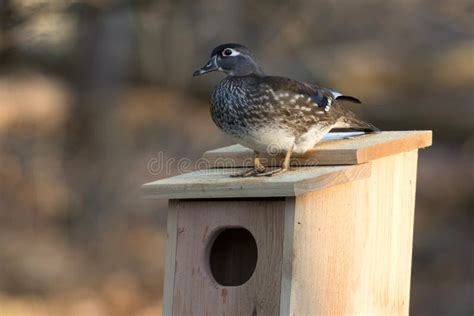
272, 114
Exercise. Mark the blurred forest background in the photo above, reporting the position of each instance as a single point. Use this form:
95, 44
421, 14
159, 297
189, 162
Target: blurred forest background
91, 91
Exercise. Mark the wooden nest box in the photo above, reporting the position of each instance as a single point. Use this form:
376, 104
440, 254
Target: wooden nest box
330, 239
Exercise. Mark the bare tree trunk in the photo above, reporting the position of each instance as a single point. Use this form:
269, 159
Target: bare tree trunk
6, 16
93, 159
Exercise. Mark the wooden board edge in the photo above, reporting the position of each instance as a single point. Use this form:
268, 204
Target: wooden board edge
323, 157
332, 157
282, 191
279, 189
407, 143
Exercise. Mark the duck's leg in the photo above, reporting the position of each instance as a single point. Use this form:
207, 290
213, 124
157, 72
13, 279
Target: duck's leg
284, 167
256, 170
257, 164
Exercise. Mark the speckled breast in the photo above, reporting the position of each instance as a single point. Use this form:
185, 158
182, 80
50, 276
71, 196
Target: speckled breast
237, 108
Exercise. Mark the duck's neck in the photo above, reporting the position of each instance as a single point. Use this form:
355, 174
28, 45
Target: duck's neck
247, 69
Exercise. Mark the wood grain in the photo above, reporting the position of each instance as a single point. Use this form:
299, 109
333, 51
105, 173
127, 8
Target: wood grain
351, 244
217, 183
199, 221
337, 152
171, 234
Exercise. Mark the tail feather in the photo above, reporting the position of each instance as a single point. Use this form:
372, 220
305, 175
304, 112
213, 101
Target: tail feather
352, 123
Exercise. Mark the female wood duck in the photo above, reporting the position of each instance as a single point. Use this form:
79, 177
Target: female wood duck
269, 113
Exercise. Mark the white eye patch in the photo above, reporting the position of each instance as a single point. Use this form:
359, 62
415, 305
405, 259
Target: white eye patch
228, 52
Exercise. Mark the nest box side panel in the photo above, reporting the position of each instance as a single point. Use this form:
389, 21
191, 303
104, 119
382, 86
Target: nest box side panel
171, 235
200, 224
352, 244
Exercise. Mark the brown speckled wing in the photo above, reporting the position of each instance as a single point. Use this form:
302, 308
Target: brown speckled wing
308, 105
288, 85
294, 103
312, 94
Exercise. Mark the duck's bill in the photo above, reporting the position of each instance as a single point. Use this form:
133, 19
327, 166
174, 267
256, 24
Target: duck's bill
210, 66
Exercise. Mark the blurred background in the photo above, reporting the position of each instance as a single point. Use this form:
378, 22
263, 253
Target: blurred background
92, 91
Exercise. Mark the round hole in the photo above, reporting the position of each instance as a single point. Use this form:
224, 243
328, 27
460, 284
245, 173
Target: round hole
233, 257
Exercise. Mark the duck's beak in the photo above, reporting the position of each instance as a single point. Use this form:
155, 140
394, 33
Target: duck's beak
210, 66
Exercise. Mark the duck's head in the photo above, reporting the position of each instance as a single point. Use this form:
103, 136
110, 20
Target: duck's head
232, 59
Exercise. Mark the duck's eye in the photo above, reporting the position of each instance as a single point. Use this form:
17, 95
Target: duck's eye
227, 52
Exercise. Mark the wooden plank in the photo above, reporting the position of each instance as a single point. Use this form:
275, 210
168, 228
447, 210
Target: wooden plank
170, 259
217, 183
352, 244
199, 221
335, 152
288, 256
